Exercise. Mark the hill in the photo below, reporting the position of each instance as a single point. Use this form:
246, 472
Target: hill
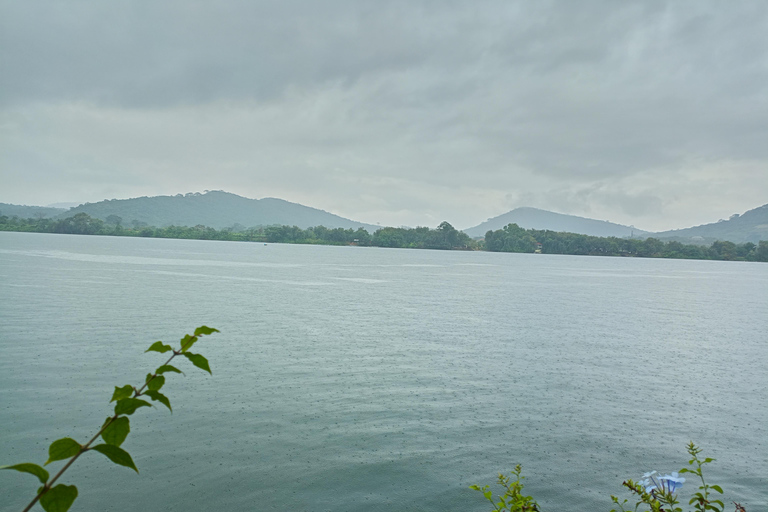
216, 209
752, 226
533, 218
29, 212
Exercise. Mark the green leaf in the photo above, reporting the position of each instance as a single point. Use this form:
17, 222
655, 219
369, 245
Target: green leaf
59, 498
117, 431
116, 455
129, 405
205, 330
156, 383
167, 368
159, 397
716, 488
123, 392
32, 469
158, 346
198, 361
63, 449
187, 341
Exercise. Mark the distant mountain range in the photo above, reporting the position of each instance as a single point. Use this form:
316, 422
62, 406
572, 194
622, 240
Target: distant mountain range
216, 209
220, 209
533, 218
29, 212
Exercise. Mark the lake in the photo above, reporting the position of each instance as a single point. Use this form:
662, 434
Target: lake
351, 378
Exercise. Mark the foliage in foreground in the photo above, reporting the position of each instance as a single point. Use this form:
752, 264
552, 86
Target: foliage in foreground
653, 493
513, 498
115, 428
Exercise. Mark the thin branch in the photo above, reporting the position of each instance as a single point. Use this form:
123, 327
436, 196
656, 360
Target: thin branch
84, 448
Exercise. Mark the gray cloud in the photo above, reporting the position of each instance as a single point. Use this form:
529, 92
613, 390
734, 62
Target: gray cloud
398, 112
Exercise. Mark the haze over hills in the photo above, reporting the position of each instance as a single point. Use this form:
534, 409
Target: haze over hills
65, 206
752, 226
216, 209
29, 212
220, 209
533, 218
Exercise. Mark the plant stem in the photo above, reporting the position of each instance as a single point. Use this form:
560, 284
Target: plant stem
84, 448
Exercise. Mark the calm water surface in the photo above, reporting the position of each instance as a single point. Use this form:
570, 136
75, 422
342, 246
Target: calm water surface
350, 378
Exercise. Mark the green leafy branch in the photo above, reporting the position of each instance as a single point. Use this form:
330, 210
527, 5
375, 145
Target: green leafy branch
513, 499
701, 498
115, 429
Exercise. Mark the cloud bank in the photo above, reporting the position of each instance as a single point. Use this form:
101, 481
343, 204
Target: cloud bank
403, 113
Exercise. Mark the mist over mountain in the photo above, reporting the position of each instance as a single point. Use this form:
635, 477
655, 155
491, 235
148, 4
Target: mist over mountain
29, 212
533, 218
65, 206
219, 209
216, 209
752, 226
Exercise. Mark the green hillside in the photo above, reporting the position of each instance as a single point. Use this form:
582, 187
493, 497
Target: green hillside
752, 226
216, 209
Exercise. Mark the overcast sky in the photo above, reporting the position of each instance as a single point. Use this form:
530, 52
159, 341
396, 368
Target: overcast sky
649, 113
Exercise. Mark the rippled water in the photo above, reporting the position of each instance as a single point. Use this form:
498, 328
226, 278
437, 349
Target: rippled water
350, 378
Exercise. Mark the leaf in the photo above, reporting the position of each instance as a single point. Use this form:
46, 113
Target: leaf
205, 330
32, 469
716, 488
123, 392
158, 346
187, 341
129, 405
117, 431
63, 449
198, 361
116, 455
156, 383
159, 397
59, 498
167, 368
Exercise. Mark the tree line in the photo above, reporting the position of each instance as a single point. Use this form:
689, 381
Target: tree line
444, 237
511, 238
